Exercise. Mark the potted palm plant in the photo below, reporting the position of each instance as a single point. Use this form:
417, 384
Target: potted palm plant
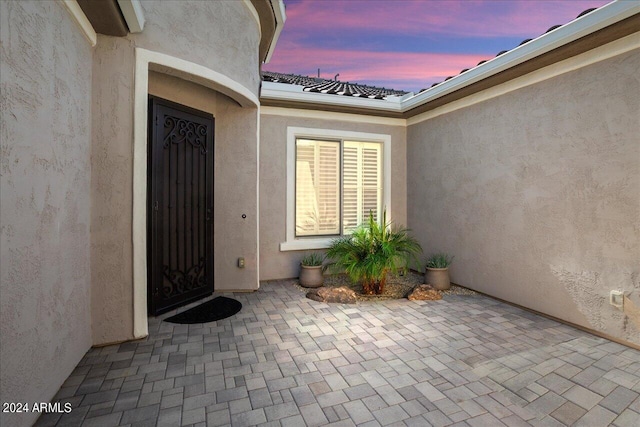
372, 251
311, 270
437, 271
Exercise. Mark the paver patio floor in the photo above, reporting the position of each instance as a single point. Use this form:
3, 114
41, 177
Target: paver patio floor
285, 360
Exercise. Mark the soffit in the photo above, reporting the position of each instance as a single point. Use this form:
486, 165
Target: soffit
105, 17
267, 25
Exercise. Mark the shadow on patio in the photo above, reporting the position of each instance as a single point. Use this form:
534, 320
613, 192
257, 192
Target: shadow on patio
287, 360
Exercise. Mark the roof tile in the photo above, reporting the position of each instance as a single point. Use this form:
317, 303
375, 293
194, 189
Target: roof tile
332, 87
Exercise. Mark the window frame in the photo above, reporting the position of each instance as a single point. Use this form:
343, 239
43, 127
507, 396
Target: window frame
293, 243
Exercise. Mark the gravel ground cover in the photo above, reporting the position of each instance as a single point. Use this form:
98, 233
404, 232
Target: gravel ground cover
397, 286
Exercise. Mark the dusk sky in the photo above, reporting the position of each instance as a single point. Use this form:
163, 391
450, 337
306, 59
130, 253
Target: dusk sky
408, 45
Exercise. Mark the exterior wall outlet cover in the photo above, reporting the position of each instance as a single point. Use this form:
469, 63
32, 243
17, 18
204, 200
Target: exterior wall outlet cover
616, 299
240, 262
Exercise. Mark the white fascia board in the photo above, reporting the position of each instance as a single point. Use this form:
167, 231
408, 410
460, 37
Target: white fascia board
280, 16
133, 15
587, 24
282, 87
288, 92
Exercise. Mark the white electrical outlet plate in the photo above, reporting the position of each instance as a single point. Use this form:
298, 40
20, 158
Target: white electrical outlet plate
616, 298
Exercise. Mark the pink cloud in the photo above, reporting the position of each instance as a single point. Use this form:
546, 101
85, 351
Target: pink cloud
464, 18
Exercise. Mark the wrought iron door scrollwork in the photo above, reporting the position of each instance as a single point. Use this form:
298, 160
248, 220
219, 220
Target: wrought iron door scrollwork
178, 282
180, 130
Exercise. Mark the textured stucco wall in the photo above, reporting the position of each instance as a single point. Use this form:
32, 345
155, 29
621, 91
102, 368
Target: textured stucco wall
111, 191
45, 324
220, 35
537, 193
275, 264
205, 33
235, 179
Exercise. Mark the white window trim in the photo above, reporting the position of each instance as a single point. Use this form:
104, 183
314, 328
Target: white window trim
305, 243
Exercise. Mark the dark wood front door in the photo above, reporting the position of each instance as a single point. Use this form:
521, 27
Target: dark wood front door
180, 205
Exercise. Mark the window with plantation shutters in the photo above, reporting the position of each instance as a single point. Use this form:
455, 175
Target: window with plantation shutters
337, 184
334, 179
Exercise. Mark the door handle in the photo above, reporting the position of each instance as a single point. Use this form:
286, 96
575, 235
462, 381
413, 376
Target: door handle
209, 214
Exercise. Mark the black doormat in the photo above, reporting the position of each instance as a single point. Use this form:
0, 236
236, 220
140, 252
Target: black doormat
210, 311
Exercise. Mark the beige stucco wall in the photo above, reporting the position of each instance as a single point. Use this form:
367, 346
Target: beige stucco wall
235, 180
217, 45
220, 35
275, 264
45, 323
111, 191
537, 193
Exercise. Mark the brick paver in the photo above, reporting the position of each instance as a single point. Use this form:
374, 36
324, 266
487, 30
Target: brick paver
286, 360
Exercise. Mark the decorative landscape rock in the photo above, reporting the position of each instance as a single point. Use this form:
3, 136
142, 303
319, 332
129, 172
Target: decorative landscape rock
424, 293
341, 295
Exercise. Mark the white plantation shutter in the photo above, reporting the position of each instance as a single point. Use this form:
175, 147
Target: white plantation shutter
362, 183
371, 181
350, 217
306, 199
317, 187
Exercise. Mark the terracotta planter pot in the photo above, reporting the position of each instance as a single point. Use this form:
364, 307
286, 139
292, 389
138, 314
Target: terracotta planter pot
311, 276
438, 278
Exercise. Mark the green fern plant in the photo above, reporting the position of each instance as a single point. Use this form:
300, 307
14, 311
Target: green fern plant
372, 251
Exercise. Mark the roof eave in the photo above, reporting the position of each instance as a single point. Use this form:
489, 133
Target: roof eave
280, 16
613, 13
270, 17
133, 15
598, 19
275, 93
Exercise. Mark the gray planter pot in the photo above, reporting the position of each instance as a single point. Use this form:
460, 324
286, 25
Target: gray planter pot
438, 278
311, 276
